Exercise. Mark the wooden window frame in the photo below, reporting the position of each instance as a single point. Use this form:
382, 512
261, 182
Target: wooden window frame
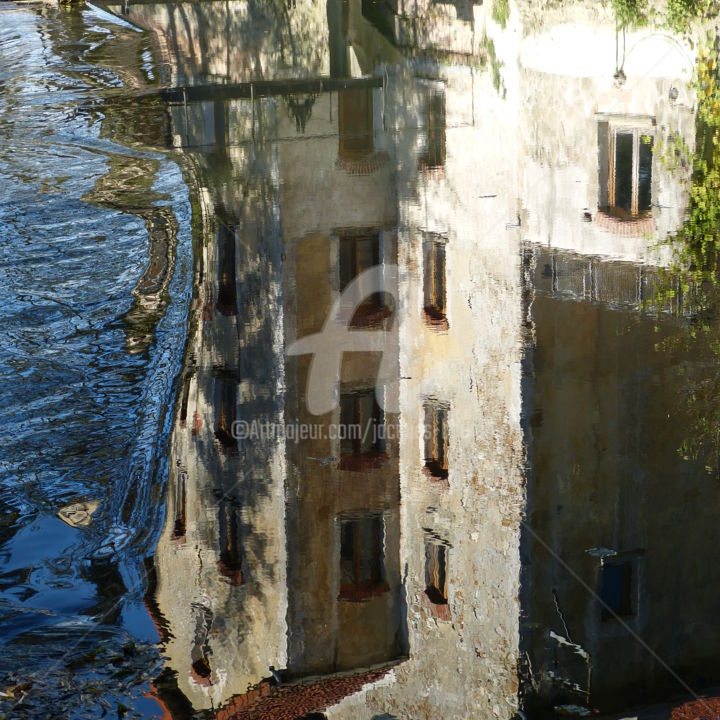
226, 398
436, 439
356, 123
373, 310
230, 554
436, 585
609, 127
434, 157
360, 590
435, 297
357, 458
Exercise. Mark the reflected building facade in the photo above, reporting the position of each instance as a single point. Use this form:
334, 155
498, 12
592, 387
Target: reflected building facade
439, 563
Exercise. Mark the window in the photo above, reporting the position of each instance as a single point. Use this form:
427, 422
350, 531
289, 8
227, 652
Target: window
435, 155
185, 399
225, 407
230, 562
616, 585
362, 564
221, 127
200, 651
625, 161
180, 525
434, 282
227, 291
360, 252
436, 440
362, 434
355, 123
436, 568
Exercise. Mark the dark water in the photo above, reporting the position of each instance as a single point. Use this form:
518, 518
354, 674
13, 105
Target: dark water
360, 335
88, 376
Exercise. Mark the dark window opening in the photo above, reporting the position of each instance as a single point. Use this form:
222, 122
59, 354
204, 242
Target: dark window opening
436, 568
185, 400
435, 155
362, 432
434, 300
360, 252
362, 562
200, 651
230, 546
180, 525
436, 440
227, 290
221, 128
355, 123
226, 408
616, 589
625, 161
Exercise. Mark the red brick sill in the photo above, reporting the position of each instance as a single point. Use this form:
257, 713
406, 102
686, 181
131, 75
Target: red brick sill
440, 611
632, 227
435, 320
437, 475
362, 594
365, 461
235, 576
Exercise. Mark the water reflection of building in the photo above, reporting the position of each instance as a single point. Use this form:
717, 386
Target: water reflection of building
609, 496
592, 139
389, 570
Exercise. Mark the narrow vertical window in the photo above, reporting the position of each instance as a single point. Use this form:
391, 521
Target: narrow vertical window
435, 155
355, 123
227, 290
436, 571
225, 412
359, 252
616, 585
200, 651
362, 560
436, 439
180, 525
362, 432
230, 546
185, 399
434, 298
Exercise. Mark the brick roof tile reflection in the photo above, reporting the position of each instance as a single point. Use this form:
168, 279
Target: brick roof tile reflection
296, 700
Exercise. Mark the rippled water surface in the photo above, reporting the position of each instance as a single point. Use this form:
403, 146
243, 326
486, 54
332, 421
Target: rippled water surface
87, 376
359, 361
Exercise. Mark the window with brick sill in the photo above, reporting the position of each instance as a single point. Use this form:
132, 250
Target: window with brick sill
355, 123
362, 561
180, 524
360, 251
362, 446
230, 560
436, 577
625, 154
185, 399
436, 440
434, 158
200, 652
225, 408
434, 299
